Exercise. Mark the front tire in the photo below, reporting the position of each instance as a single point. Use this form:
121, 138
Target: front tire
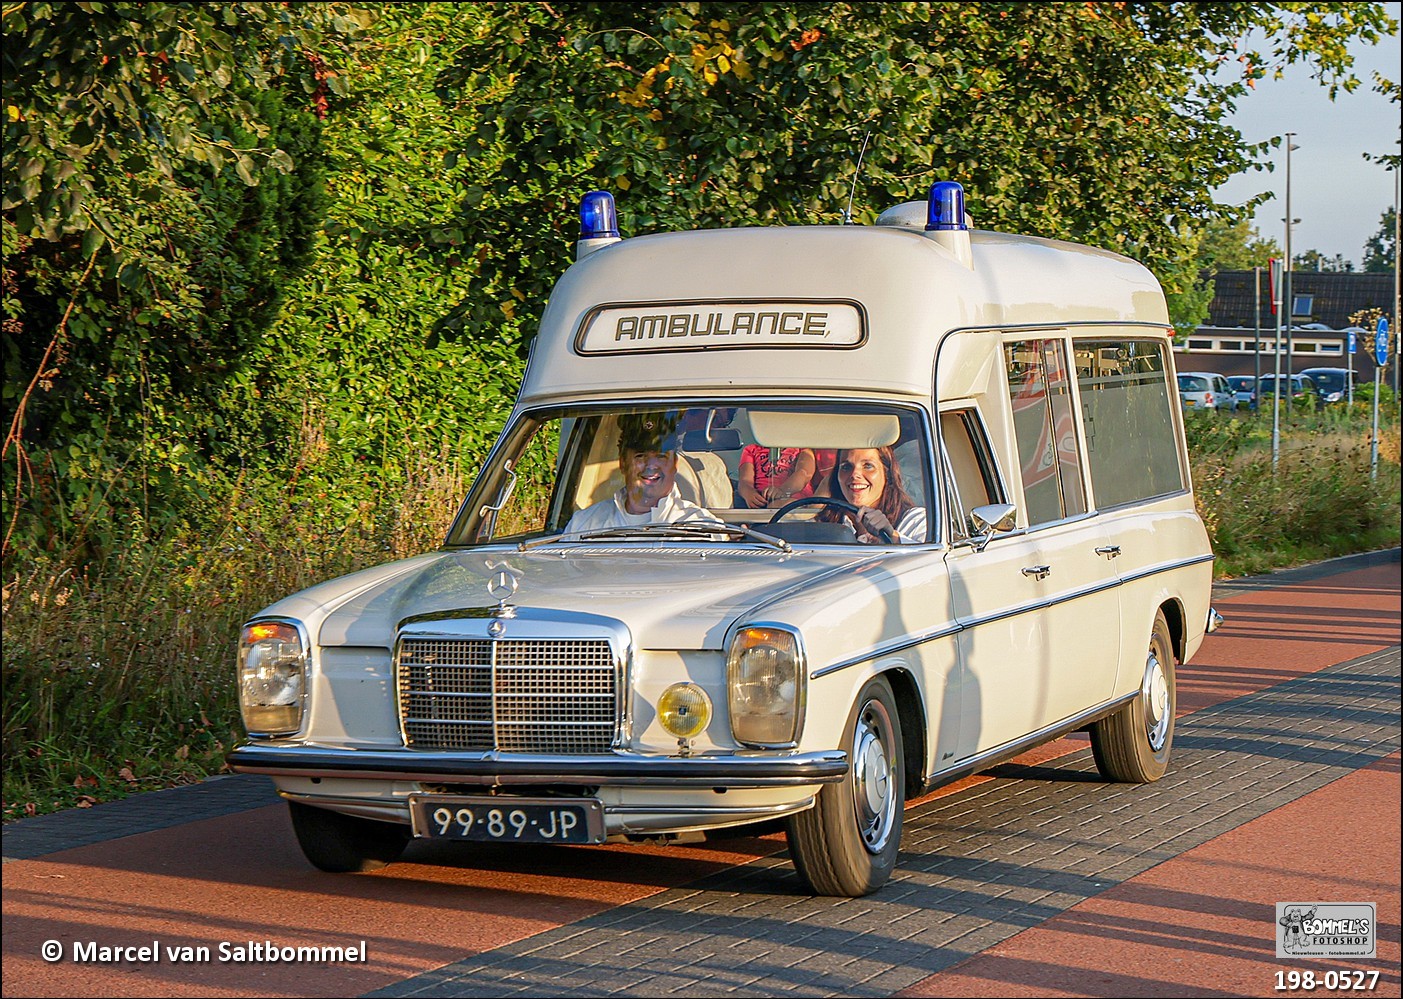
847, 844
1132, 745
344, 844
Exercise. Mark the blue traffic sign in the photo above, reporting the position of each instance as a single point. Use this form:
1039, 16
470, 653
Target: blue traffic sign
1353, 343
1381, 343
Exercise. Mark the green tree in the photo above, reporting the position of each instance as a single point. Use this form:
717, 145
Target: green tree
390, 264
161, 184
1314, 260
1380, 248
1235, 246
1098, 122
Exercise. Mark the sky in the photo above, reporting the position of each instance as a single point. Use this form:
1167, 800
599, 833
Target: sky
1336, 193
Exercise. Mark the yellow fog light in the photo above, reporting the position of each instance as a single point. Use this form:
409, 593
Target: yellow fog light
684, 710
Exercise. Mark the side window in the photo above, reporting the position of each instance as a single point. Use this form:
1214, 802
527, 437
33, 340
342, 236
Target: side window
1045, 427
1127, 406
969, 463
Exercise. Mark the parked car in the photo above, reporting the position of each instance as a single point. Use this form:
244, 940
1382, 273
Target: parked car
1206, 390
1334, 383
608, 647
1244, 391
1303, 390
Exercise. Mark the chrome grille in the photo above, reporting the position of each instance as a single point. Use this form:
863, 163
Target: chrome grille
511, 696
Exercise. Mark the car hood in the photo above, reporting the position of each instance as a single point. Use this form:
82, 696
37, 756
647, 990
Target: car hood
669, 598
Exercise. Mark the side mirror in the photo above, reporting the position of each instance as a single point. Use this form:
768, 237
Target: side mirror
989, 519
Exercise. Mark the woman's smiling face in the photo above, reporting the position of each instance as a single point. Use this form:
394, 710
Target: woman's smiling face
862, 476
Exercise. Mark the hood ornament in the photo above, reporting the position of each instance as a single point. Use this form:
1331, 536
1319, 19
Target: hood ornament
501, 587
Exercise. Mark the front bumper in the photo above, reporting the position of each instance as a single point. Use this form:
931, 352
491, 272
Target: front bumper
732, 770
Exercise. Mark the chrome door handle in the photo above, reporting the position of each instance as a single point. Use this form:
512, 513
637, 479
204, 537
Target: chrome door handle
1110, 551
1038, 571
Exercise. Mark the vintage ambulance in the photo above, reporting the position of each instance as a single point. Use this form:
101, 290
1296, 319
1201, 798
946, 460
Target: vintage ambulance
786, 523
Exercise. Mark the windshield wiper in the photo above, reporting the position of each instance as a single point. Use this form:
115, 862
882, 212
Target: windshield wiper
693, 530
697, 528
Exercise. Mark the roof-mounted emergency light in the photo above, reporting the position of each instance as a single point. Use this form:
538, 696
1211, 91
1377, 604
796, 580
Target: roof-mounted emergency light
599, 223
946, 222
946, 208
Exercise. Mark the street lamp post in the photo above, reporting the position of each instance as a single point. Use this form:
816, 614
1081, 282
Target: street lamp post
1290, 299
1397, 331
1284, 308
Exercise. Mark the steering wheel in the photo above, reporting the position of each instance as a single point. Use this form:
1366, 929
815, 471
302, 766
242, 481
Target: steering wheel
832, 501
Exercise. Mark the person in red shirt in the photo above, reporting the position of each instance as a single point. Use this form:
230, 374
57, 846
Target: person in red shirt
772, 477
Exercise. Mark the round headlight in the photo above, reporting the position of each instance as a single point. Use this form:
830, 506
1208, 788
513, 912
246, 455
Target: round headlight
684, 710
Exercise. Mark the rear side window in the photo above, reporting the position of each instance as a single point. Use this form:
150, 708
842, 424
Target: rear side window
1132, 444
1045, 427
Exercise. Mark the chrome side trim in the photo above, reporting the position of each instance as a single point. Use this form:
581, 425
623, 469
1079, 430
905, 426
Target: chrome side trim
525, 769
888, 648
911, 640
989, 757
1167, 567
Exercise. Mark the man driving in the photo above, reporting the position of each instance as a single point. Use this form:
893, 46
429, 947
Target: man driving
648, 463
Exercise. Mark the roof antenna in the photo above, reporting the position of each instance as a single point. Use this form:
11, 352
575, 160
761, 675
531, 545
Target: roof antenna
848, 212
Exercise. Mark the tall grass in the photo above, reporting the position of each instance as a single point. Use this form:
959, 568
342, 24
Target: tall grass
117, 669
1319, 499
118, 666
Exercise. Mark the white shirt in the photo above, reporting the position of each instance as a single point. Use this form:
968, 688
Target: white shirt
609, 513
910, 528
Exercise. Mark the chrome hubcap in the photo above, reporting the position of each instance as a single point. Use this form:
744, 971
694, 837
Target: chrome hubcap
1154, 695
874, 776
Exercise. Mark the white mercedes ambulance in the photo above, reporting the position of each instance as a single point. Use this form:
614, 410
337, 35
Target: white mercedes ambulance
786, 523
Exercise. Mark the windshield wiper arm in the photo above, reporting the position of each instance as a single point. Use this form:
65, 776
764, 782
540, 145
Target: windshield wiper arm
682, 529
696, 527
604, 534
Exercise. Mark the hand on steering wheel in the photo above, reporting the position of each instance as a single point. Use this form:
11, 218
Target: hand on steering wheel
849, 508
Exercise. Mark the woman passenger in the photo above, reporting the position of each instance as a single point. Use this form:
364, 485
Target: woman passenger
870, 479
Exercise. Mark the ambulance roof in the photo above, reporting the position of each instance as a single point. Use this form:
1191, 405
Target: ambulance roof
900, 289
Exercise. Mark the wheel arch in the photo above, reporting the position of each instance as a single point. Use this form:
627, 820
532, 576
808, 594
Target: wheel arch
911, 715
1173, 611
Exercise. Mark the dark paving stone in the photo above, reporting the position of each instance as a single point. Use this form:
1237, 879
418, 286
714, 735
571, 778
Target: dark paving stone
29, 838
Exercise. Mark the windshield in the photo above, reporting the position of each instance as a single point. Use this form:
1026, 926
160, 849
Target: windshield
1192, 383
652, 473
1330, 381
1241, 383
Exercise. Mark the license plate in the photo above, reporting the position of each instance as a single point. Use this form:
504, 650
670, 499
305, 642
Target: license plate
508, 820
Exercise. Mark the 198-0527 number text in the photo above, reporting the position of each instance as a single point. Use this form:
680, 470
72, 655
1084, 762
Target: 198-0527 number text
1309, 981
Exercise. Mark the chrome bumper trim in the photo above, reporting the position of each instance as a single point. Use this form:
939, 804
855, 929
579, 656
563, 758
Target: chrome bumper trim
522, 769
1215, 621
618, 819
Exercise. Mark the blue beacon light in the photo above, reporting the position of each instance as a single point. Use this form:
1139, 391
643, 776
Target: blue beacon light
599, 219
945, 211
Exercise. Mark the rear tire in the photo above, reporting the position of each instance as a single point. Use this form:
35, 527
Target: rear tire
1132, 745
343, 844
847, 844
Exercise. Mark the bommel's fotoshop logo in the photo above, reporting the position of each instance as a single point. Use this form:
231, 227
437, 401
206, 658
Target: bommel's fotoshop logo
1325, 929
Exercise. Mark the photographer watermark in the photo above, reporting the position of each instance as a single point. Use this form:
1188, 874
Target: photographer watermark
224, 952
1326, 929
